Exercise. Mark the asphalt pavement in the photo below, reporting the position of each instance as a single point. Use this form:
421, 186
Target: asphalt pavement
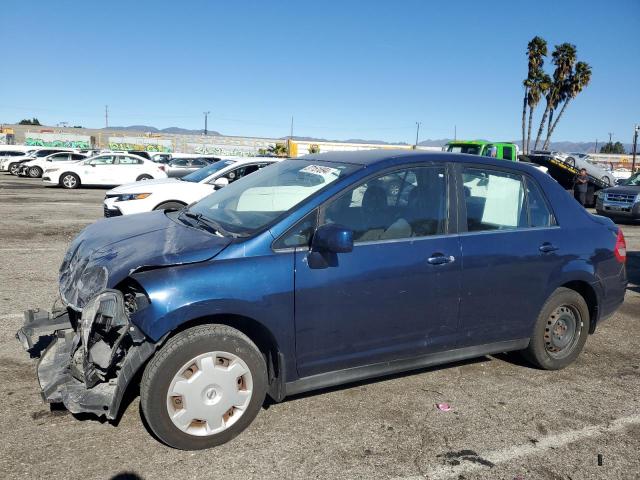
507, 420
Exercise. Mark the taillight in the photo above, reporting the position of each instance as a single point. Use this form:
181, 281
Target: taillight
621, 247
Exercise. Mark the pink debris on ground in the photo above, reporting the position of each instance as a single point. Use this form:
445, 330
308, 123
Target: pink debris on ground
444, 407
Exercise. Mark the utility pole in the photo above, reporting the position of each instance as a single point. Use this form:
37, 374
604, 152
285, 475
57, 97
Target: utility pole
206, 114
291, 132
455, 132
417, 132
610, 135
635, 147
596, 149
106, 116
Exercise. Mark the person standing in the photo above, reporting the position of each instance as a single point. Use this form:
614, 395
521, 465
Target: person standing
580, 185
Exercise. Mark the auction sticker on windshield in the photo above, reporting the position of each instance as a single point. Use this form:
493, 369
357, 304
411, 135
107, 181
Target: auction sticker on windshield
320, 170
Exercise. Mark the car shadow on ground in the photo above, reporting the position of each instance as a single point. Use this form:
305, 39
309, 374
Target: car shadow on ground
633, 271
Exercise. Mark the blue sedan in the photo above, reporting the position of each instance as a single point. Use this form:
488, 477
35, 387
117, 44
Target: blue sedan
320, 271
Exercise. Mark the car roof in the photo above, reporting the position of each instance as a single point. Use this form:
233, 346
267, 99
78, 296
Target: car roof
388, 157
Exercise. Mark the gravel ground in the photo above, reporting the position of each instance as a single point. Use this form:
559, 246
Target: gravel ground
508, 420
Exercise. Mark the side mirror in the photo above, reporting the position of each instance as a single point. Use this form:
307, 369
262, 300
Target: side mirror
221, 182
332, 238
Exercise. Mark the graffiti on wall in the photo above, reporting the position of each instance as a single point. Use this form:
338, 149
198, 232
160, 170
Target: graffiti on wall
40, 142
224, 150
141, 143
147, 147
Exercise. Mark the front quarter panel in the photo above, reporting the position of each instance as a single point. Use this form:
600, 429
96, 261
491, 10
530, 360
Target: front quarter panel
258, 286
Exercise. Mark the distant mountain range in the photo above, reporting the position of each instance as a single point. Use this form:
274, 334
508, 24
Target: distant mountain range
175, 130
584, 147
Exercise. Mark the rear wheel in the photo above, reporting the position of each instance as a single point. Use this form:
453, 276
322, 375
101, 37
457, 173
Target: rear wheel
144, 177
69, 180
204, 387
13, 168
560, 331
571, 161
170, 205
35, 172
606, 180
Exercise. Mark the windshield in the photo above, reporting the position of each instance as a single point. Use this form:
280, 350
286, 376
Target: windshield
470, 149
633, 180
204, 172
252, 202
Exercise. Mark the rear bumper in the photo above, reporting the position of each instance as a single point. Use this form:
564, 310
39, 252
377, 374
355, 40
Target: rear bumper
60, 370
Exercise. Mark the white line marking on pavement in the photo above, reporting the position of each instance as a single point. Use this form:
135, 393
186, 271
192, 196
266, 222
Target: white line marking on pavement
511, 453
11, 315
28, 249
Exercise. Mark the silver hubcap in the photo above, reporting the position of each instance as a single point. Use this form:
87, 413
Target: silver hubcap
562, 331
34, 172
69, 181
209, 393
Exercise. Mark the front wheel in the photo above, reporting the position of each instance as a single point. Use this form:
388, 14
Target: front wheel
560, 331
571, 161
70, 180
606, 180
204, 387
14, 168
35, 172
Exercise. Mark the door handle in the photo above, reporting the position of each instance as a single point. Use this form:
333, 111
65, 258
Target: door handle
440, 259
547, 247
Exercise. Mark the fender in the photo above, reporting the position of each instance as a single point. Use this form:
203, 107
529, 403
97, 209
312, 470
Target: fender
257, 287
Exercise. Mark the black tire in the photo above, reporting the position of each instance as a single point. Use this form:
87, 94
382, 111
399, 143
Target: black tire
173, 205
144, 177
34, 172
557, 311
13, 168
172, 356
69, 180
571, 161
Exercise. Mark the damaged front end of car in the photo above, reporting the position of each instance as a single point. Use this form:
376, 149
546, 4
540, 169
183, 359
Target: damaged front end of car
87, 359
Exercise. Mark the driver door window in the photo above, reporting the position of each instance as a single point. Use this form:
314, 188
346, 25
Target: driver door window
404, 204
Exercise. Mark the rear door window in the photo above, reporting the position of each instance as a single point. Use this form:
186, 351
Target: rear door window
494, 200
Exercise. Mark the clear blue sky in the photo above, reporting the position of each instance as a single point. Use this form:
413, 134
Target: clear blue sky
343, 69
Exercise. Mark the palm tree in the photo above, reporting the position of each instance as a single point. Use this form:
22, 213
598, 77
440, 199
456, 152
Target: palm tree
564, 57
538, 88
536, 51
577, 82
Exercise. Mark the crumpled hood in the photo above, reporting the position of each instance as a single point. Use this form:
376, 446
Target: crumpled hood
106, 252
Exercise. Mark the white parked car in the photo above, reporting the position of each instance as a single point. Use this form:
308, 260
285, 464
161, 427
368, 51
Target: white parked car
621, 173
9, 152
14, 163
108, 169
178, 192
34, 168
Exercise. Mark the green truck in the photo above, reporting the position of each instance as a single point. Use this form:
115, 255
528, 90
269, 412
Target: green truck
503, 150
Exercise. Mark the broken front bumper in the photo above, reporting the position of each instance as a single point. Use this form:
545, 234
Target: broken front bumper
64, 373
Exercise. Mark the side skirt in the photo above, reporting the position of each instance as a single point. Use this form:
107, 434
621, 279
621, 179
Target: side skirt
339, 377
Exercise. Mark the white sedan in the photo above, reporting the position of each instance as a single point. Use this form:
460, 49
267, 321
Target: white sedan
178, 192
35, 167
107, 169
